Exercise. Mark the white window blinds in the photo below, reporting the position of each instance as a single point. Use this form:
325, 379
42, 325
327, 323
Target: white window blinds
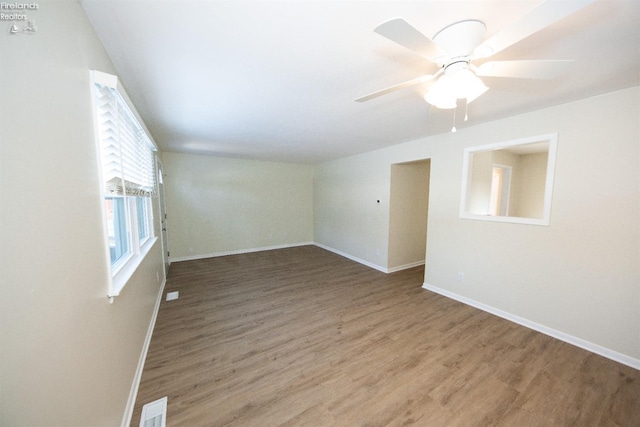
127, 151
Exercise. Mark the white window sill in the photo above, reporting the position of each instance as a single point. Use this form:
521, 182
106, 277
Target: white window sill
123, 275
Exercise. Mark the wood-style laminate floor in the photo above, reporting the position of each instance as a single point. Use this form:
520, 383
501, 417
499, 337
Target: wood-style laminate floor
304, 337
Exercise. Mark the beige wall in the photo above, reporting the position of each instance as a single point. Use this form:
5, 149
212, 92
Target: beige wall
347, 215
579, 275
218, 205
68, 356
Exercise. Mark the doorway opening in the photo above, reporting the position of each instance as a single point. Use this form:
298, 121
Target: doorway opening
408, 214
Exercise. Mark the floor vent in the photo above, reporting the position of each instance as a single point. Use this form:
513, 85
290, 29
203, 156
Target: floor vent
154, 414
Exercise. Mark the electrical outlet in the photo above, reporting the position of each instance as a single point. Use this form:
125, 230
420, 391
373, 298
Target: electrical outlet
460, 276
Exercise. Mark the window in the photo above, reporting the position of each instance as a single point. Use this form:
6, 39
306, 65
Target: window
127, 165
509, 181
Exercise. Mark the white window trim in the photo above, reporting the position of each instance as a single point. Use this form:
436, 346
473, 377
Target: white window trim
467, 166
126, 270
118, 277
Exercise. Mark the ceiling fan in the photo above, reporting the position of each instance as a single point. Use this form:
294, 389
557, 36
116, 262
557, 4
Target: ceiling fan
455, 48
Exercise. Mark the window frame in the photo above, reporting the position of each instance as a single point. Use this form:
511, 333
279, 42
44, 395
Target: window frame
467, 177
121, 271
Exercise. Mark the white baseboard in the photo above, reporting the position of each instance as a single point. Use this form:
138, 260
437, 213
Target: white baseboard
405, 266
239, 251
562, 336
293, 245
370, 264
133, 394
352, 258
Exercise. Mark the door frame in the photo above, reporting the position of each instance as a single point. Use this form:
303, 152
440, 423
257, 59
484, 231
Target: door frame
164, 237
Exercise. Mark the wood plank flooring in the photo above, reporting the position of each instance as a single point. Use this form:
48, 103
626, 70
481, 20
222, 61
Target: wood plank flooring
304, 337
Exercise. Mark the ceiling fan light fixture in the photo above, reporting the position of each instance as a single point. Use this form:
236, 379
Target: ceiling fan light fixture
468, 85
473, 95
443, 93
450, 87
441, 101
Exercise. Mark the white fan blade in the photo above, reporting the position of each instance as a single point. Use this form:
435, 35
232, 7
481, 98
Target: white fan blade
399, 86
540, 17
400, 31
526, 69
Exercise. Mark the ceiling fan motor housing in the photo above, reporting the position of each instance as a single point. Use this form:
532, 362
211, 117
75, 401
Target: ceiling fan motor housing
455, 65
460, 38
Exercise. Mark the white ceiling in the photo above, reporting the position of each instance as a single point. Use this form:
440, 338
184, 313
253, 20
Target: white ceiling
276, 80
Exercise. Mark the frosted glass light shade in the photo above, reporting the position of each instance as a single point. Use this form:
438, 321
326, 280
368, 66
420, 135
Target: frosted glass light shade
442, 94
448, 88
468, 85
